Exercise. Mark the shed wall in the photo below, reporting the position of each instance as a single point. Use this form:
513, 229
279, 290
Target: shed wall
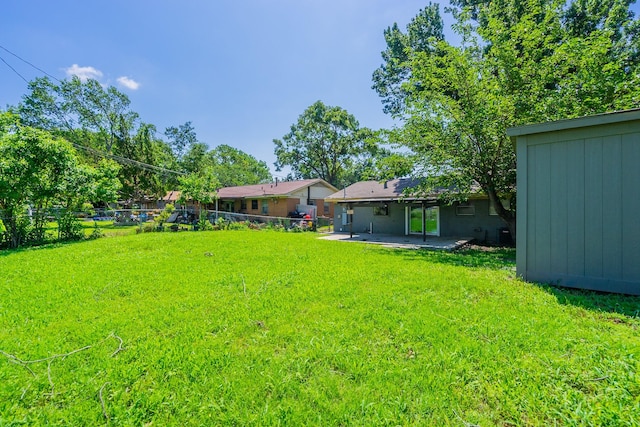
578, 207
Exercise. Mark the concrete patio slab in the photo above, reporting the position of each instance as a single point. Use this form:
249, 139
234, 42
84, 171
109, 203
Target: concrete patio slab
402, 242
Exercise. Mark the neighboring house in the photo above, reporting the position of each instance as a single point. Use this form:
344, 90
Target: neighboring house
579, 202
170, 198
385, 208
278, 198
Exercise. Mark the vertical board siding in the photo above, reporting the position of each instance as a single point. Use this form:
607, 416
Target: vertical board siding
531, 212
612, 207
594, 221
631, 206
559, 211
542, 207
579, 203
575, 208
522, 203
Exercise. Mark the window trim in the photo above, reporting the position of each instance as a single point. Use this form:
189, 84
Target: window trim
382, 210
469, 207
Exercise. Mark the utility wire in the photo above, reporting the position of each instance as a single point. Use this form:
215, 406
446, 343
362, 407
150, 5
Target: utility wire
120, 159
28, 63
13, 69
146, 166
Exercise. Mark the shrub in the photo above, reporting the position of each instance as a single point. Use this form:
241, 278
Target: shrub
96, 233
165, 214
238, 226
69, 227
220, 224
3, 234
149, 227
204, 224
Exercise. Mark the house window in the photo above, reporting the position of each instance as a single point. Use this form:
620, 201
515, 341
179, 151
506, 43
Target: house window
326, 208
505, 203
381, 210
254, 205
243, 205
265, 207
465, 209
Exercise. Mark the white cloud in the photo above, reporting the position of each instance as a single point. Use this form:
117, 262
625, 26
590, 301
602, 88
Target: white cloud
128, 83
83, 73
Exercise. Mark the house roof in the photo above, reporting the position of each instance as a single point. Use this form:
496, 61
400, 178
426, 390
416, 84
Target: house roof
390, 191
276, 189
171, 196
370, 191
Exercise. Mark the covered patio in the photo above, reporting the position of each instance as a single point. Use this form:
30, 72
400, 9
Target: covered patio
402, 242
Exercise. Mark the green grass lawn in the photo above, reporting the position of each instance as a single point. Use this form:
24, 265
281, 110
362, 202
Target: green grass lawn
107, 228
267, 328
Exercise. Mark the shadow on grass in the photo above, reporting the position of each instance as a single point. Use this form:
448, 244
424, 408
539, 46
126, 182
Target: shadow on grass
505, 259
492, 258
41, 247
626, 305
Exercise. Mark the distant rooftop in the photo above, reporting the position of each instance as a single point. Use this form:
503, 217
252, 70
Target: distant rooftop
364, 191
274, 189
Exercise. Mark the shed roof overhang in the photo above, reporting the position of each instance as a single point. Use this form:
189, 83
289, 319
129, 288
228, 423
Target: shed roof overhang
579, 122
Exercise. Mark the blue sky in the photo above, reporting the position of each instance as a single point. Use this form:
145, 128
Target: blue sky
241, 71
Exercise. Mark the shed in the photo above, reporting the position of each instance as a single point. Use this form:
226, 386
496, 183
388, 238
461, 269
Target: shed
578, 202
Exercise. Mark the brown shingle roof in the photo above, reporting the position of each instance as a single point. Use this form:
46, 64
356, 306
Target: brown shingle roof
282, 188
375, 190
171, 196
392, 190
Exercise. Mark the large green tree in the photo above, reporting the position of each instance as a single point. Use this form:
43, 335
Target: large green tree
234, 167
34, 167
181, 138
326, 143
519, 62
230, 166
198, 187
99, 121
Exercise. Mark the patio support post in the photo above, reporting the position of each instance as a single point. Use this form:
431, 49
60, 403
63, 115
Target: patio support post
424, 222
350, 209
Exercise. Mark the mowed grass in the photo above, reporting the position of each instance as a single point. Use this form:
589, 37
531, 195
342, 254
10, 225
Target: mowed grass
106, 228
267, 328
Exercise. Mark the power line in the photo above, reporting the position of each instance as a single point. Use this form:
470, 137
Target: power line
13, 69
120, 159
145, 166
28, 63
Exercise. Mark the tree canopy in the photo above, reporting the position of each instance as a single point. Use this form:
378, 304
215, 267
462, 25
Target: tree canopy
519, 62
100, 122
39, 171
326, 142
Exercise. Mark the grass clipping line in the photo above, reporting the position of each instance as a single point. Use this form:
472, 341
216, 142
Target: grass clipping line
25, 363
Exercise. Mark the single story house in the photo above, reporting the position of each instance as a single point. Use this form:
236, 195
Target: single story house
578, 202
386, 208
278, 198
271, 199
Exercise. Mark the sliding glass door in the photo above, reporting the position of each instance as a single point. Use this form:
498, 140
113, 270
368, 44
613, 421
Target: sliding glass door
431, 220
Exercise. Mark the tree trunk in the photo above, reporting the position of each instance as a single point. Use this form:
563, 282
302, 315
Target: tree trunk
508, 216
